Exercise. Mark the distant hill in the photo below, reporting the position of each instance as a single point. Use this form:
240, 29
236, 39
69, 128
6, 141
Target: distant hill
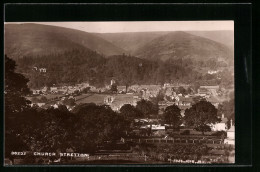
225, 37
133, 41
35, 39
183, 45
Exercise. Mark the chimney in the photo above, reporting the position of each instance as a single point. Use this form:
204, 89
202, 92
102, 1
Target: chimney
222, 116
231, 123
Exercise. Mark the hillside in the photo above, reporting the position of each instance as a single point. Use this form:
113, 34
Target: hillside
76, 66
35, 39
184, 45
133, 41
130, 41
225, 37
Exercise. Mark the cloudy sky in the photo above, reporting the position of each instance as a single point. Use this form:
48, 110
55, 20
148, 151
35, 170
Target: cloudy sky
144, 26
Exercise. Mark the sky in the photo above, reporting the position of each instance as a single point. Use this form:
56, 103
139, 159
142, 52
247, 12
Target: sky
143, 26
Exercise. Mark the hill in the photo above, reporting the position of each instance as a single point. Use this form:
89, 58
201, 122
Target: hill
35, 39
133, 41
184, 45
225, 37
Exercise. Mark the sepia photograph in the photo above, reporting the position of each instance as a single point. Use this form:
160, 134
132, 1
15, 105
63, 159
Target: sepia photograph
119, 92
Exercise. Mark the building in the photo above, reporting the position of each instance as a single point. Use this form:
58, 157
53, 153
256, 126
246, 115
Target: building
203, 91
158, 130
211, 72
43, 70
112, 81
230, 135
221, 126
36, 91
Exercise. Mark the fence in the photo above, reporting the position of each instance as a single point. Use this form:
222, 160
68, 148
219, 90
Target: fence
178, 140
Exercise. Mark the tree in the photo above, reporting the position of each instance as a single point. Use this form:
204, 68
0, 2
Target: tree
69, 101
159, 97
86, 90
15, 88
182, 90
172, 116
15, 103
96, 124
201, 115
189, 90
147, 108
130, 112
228, 109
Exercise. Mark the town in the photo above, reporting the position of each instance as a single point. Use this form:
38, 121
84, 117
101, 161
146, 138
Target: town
77, 97
219, 140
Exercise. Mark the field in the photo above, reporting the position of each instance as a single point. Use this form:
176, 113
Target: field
91, 98
99, 98
48, 96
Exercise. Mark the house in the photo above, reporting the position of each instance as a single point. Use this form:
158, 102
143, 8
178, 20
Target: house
53, 89
211, 89
211, 72
221, 126
44, 89
36, 91
202, 91
43, 70
169, 92
214, 87
35, 68
55, 106
230, 135
158, 130
40, 104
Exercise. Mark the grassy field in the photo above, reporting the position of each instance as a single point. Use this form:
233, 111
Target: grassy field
91, 98
99, 98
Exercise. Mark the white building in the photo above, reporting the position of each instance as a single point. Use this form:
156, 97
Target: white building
221, 126
230, 135
212, 72
43, 70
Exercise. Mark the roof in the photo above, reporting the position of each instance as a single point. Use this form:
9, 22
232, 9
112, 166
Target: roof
158, 127
210, 87
213, 100
186, 99
224, 120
